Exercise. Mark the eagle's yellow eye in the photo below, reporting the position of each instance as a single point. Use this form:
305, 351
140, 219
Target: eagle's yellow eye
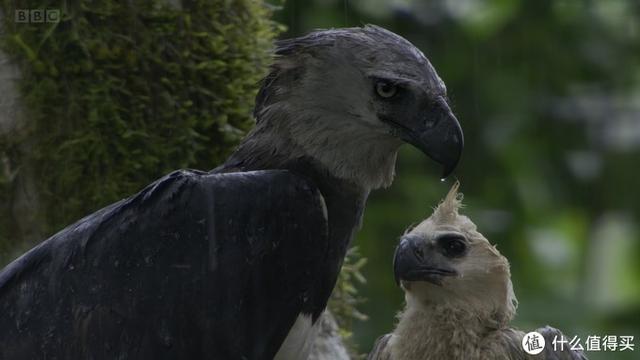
386, 89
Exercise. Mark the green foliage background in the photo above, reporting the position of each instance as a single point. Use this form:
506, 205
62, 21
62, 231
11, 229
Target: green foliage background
119, 93
548, 94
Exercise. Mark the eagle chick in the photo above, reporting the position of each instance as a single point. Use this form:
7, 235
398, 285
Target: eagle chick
459, 296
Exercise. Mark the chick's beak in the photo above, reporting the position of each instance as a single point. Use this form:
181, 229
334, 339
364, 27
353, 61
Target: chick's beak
413, 261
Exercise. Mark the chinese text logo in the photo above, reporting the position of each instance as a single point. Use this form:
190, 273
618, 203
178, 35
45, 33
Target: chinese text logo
533, 343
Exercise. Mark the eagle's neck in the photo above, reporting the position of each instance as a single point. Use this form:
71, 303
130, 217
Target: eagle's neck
341, 148
443, 331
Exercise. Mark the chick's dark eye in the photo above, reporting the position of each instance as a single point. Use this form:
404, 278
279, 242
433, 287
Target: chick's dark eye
386, 89
452, 245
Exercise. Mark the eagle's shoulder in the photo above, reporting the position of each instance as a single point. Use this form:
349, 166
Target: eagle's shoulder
268, 187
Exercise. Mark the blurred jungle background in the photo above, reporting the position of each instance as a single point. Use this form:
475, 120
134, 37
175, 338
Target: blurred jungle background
113, 95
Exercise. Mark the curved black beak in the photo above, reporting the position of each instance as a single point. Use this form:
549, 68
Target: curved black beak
414, 262
438, 134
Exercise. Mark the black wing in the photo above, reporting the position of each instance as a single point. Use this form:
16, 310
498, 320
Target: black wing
195, 266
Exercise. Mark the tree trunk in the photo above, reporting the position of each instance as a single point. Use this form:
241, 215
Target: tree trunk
21, 205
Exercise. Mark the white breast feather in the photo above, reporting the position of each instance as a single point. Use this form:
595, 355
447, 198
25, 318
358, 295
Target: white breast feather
298, 342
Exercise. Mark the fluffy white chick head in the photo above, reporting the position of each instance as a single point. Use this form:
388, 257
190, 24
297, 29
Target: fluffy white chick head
445, 261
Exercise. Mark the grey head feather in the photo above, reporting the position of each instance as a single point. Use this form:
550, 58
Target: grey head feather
371, 48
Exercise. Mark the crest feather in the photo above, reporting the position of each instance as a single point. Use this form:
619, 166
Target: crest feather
448, 208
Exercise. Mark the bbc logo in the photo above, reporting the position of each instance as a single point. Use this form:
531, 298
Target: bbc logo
37, 16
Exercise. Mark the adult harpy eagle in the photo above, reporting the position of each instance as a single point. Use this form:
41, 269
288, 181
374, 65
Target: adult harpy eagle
459, 297
239, 262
